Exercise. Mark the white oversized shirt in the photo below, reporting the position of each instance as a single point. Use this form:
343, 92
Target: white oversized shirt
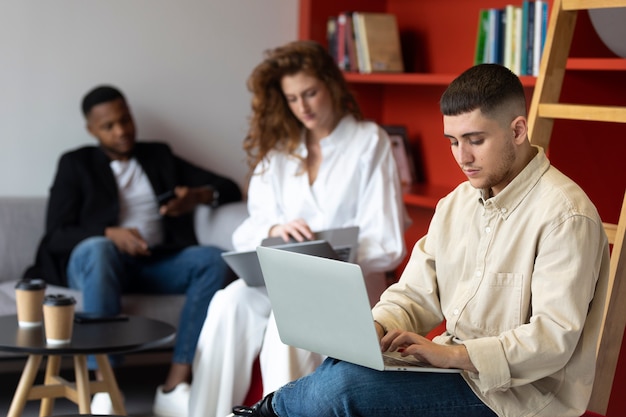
357, 185
514, 277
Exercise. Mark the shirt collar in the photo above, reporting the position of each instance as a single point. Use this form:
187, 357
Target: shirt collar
343, 130
514, 193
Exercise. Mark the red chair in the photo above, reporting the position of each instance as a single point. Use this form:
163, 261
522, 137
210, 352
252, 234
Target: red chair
255, 393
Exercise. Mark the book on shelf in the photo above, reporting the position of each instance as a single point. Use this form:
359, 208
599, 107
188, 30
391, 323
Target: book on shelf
509, 36
494, 38
513, 36
541, 28
380, 39
482, 44
331, 37
517, 40
528, 36
402, 153
365, 42
352, 63
342, 56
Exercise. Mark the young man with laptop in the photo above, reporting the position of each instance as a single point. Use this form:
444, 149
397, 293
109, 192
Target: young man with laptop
515, 261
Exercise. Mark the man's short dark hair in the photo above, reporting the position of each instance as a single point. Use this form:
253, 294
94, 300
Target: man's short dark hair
486, 87
99, 95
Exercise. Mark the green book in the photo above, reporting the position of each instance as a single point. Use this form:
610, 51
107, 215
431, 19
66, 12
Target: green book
482, 48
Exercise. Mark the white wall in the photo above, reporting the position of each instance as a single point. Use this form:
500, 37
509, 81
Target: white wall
182, 65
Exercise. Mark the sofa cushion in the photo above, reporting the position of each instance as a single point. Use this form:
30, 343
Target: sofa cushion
21, 228
215, 227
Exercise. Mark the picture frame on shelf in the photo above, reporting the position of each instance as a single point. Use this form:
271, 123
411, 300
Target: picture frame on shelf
402, 153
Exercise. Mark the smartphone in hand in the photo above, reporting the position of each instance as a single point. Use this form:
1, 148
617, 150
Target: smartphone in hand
165, 197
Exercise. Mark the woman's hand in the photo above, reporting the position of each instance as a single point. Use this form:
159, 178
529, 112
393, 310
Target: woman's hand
297, 229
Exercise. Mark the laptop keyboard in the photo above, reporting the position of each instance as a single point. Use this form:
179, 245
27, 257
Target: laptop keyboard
394, 359
343, 253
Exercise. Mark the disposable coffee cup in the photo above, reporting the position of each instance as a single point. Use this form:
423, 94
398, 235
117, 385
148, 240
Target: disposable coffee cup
58, 318
29, 294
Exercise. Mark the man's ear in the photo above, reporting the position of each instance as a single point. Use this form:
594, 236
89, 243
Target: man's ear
89, 129
519, 125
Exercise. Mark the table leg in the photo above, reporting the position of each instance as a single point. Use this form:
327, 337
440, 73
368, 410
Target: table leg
109, 379
23, 387
83, 390
52, 372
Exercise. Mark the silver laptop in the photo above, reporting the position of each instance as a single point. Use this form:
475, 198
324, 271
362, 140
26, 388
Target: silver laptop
246, 264
344, 240
321, 305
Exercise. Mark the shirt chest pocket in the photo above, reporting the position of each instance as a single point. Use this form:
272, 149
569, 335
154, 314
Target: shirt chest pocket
497, 305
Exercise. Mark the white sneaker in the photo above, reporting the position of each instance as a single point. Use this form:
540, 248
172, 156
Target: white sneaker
172, 404
101, 404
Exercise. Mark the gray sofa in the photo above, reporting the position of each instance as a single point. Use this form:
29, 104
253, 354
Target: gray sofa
22, 226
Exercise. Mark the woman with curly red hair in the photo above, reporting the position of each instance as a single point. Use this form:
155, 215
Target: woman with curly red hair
315, 164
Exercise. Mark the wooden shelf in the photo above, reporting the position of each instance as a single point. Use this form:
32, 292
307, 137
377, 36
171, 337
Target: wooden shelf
414, 79
425, 195
604, 64
596, 64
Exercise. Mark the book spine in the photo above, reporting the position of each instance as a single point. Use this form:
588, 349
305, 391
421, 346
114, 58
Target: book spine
517, 46
362, 53
342, 55
353, 63
501, 35
492, 37
537, 37
481, 37
529, 35
331, 37
541, 26
509, 28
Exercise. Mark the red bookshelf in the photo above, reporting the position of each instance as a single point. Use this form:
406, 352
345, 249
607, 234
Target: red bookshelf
589, 152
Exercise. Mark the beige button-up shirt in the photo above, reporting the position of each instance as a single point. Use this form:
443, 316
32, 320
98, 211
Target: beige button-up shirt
514, 276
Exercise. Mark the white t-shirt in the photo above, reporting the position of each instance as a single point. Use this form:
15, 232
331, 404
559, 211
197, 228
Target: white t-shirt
138, 205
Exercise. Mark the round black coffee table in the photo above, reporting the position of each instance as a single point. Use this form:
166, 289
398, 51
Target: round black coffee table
98, 339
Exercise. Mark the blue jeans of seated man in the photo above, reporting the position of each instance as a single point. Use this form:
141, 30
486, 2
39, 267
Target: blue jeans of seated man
340, 388
103, 273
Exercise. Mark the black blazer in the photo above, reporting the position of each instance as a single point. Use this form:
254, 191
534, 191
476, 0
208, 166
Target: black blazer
84, 202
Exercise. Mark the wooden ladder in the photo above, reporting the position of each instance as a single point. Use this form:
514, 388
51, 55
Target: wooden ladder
544, 108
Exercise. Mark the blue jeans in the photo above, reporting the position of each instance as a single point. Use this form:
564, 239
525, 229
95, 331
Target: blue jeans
103, 273
340, 388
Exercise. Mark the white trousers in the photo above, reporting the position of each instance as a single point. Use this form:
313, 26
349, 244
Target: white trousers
239, 327
233, 335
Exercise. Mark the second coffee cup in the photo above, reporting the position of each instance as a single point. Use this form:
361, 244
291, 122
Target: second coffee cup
58, 318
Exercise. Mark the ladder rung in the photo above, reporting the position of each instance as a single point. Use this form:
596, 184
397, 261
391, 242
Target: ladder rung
583, 112
591, 4
611, 231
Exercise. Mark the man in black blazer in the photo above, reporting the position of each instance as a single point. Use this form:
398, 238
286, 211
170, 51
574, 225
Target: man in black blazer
120, 219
